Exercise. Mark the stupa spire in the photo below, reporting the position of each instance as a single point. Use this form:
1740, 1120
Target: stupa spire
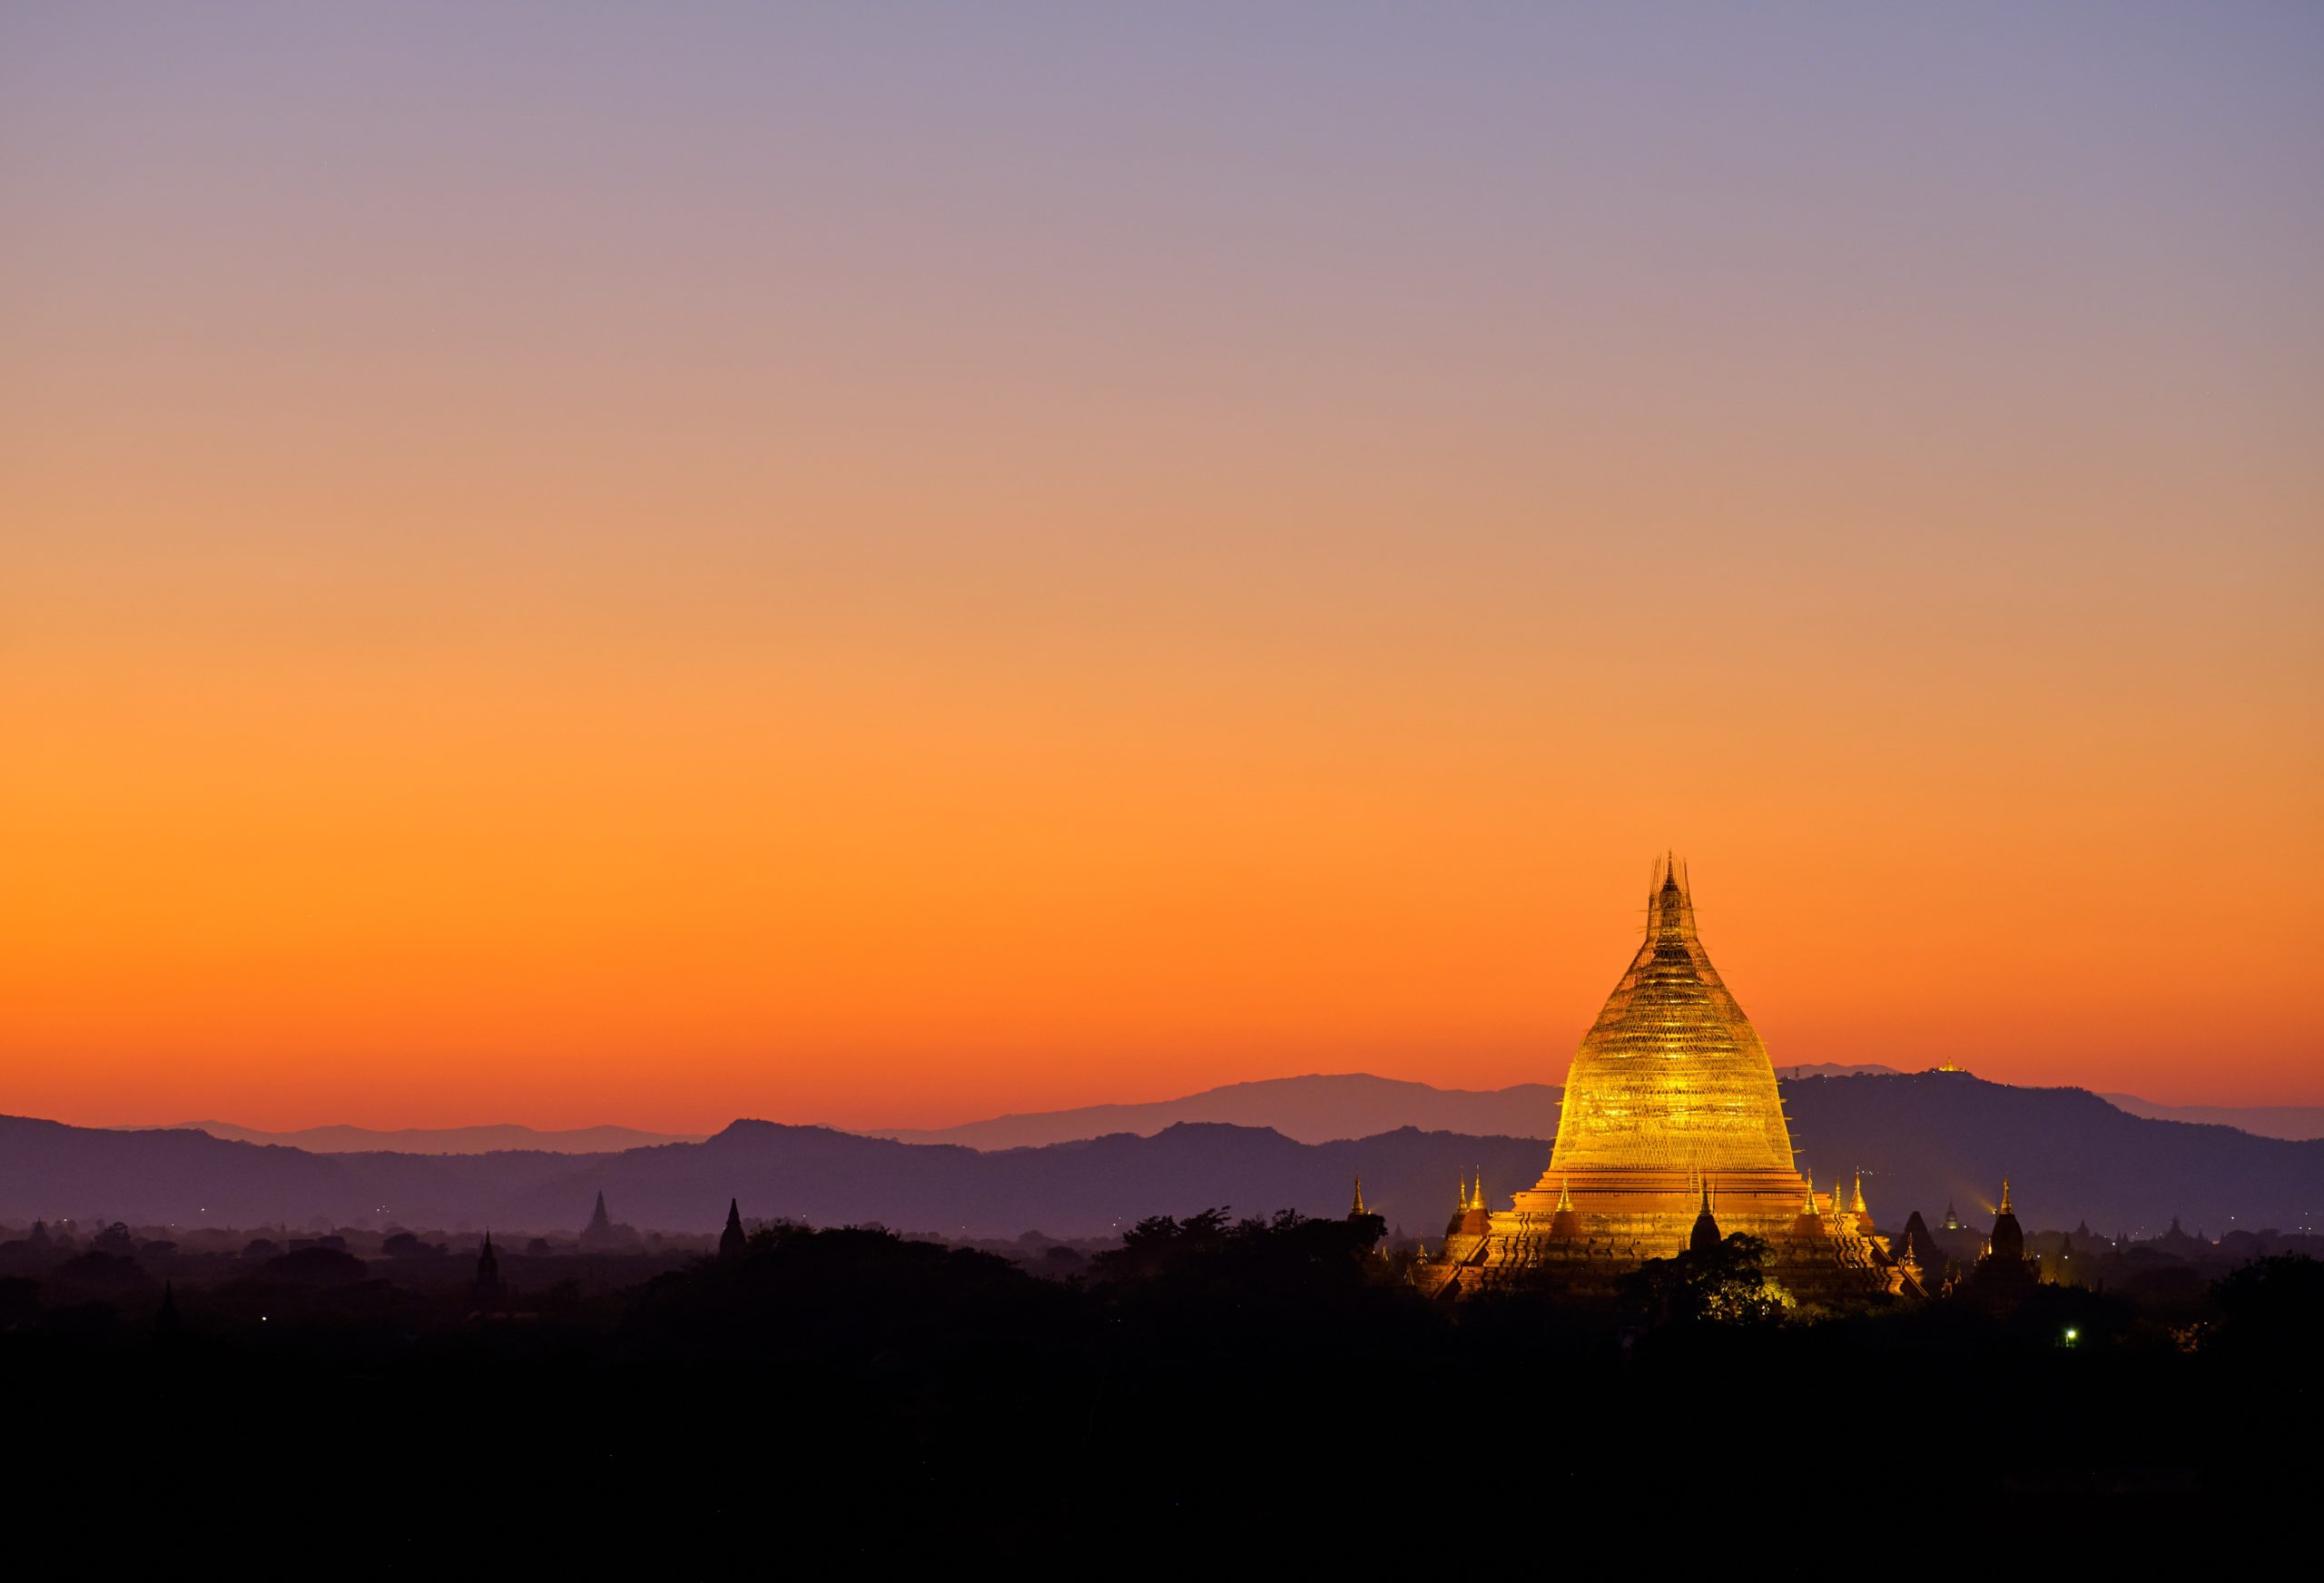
1672, 1074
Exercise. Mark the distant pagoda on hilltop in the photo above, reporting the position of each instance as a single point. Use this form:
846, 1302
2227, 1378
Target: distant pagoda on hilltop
1671, 1131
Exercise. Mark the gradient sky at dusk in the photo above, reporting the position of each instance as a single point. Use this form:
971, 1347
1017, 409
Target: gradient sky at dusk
885, 565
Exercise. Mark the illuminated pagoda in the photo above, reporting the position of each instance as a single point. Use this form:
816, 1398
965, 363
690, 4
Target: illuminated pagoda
1670, 1117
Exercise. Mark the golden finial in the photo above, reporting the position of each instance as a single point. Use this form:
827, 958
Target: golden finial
1480, 1189
1809, 1206
1565, 1192
2004, 1196
1359, 1199
1858, 1206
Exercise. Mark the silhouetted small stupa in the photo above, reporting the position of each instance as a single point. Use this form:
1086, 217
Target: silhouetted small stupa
2004, 1273
731, 1240
1922, 1247
2008, 1242
2177, 1241
488, 1293
599, 1233
1704, 1238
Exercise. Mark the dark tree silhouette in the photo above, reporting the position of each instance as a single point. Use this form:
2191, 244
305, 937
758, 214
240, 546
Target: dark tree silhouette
2274, 1306
316, 1267
1724, 1282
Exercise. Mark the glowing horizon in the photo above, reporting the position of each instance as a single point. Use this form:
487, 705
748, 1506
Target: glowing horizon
844, 568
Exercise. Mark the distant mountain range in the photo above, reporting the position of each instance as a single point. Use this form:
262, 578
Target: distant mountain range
442, 1140
1313, 1109
1925, 1138
1920, 1140
1319, 1108
2276, 1121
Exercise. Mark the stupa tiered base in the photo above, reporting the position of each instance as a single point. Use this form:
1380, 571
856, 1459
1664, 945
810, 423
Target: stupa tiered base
1656, 1204
1619, 1220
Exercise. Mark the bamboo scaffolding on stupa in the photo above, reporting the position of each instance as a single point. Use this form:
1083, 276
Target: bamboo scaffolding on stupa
1672, 1073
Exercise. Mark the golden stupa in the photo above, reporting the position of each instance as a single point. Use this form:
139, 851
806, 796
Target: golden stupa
1670, 1112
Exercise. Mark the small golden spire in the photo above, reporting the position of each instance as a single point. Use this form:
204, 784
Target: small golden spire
1565, 1192
1465, 1196
1809, 1206
1480, 1189
2004, 1196
1359, 1199
1858, 1206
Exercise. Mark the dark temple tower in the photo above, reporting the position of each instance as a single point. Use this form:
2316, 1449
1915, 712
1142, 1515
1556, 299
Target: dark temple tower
488, 1293
1703, 1236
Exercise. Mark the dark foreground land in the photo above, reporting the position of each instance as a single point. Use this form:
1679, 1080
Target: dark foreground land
1207, 1394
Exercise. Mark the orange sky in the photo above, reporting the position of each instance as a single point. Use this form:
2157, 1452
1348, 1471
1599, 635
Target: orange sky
578, 587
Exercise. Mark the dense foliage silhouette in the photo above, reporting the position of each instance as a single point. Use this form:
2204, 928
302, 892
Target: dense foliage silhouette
1265, 1388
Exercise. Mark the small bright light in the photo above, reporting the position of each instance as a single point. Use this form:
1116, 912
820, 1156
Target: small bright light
2072, 1334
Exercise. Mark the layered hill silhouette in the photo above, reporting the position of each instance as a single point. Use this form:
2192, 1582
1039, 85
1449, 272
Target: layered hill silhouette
1314, 1109
1086, 1188
1318, 1108
1925, 1138
174, 1175
2277, 1121
1922, 1140
444, 1140
1089, 1188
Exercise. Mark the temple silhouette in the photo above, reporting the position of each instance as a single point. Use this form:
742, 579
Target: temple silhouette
604, 1233
1671, 1137
488, 1291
